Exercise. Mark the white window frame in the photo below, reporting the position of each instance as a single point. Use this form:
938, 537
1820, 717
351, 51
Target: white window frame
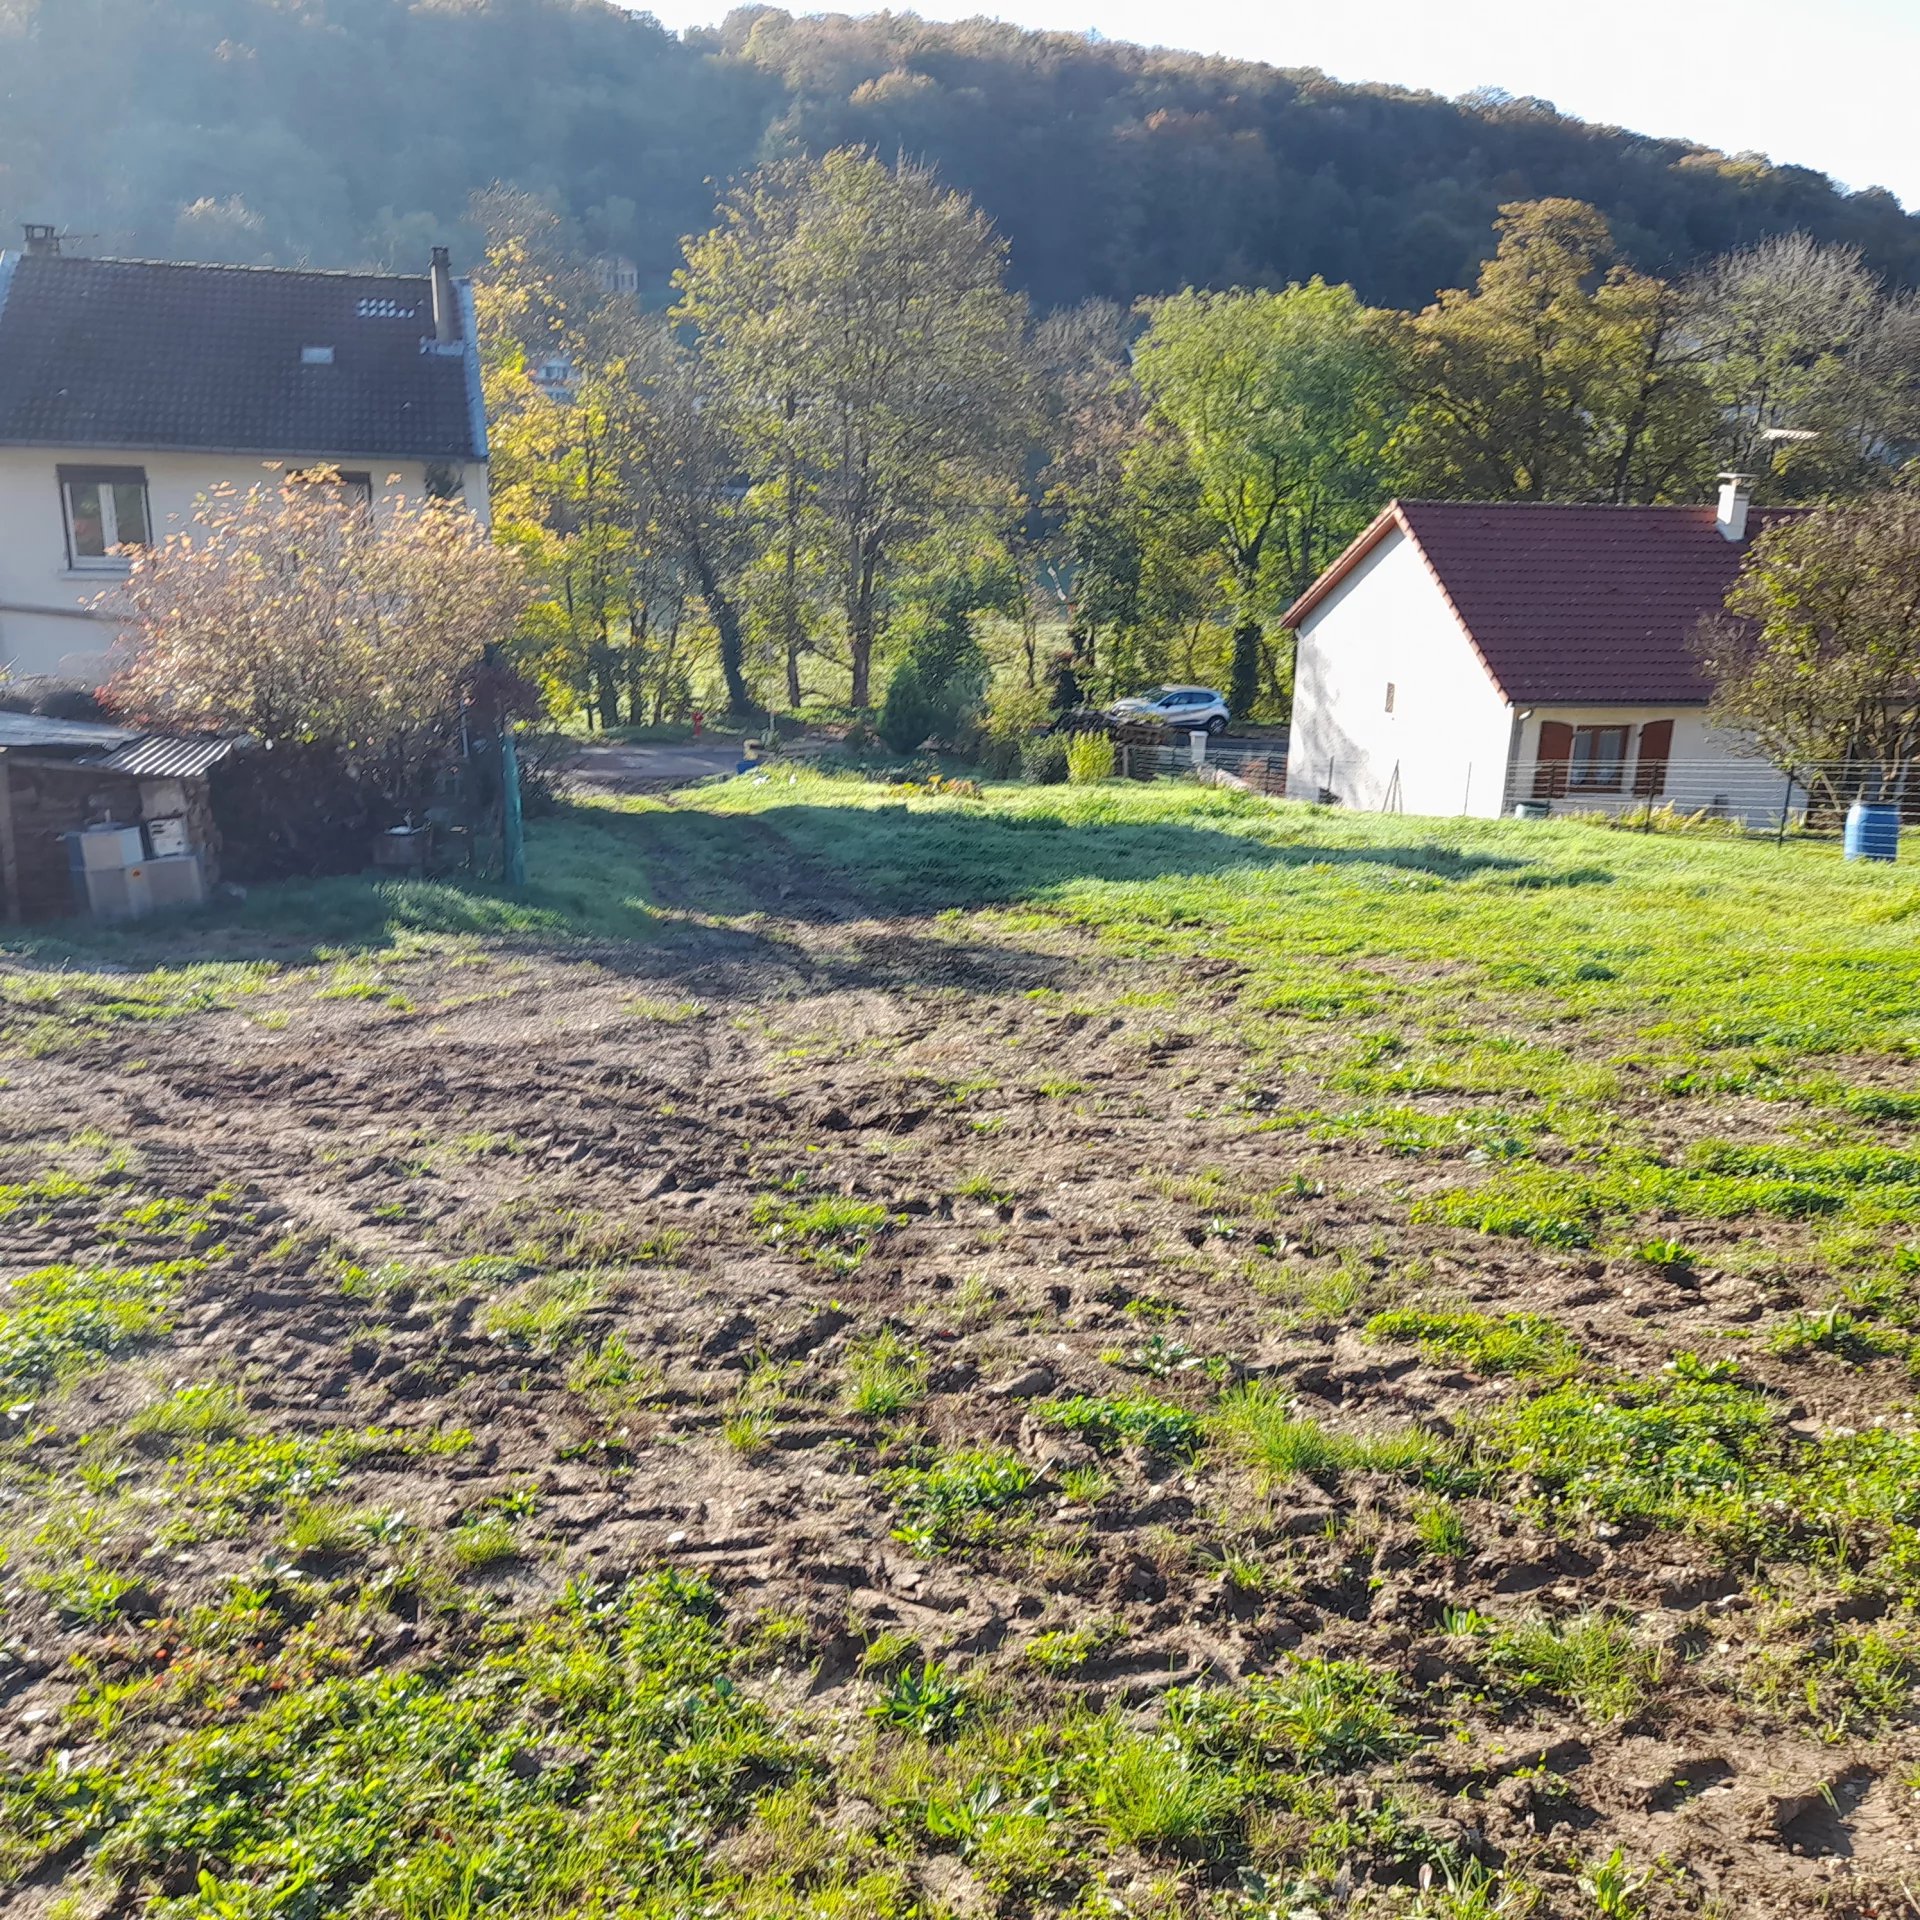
105, 479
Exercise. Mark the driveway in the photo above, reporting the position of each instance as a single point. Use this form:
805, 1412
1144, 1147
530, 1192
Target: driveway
638, 769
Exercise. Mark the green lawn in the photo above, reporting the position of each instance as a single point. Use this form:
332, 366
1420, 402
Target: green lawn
513, 1403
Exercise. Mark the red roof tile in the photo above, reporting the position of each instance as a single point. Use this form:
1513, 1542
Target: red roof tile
1569, 605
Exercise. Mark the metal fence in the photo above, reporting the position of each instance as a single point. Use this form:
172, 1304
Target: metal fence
1750, 797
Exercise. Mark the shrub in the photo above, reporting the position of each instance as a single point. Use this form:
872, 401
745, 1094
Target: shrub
1043, 762
1089, 759
1015, 714
297, 617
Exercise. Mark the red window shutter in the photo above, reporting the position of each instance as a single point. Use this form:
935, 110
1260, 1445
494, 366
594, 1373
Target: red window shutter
1650, 769
1551, 758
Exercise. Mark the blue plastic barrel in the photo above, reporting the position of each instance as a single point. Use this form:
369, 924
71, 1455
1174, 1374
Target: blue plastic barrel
1873, 832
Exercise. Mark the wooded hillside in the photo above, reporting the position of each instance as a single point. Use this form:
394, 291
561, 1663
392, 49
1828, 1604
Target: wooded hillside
355, 131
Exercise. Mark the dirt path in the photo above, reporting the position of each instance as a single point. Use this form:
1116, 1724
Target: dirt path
641, 769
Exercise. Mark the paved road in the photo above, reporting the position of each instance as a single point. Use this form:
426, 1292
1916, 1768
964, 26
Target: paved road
636, 768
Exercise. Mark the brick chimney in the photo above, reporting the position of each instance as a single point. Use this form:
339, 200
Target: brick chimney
41, 239
446, 302
1736, 496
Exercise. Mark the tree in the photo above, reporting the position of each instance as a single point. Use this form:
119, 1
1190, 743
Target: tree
1813, 366
1816, 658
1281, 404
609, 472
306, 619
871, 359
1563, 375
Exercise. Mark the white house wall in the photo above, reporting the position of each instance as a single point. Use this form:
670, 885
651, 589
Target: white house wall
1449, 734
1705, 771
46, 625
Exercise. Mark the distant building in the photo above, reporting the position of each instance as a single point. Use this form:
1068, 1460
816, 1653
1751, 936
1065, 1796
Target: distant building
615, 273
131, 389
1458, 658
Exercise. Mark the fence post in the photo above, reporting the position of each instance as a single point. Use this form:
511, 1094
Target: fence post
1466, 798
1786, 803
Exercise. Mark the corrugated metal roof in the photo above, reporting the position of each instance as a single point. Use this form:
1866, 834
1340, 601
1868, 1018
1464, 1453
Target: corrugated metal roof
30, 730
160, 756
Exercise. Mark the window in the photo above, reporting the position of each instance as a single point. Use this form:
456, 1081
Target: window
106, 508
1389, 696
1579, 760
1599, 759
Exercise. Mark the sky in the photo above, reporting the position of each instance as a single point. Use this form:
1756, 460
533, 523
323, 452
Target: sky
1818, 83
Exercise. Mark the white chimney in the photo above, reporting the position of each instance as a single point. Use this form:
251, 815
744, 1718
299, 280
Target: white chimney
446, 306
1736, 496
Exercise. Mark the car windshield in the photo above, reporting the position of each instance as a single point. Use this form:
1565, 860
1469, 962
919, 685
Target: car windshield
1154, 695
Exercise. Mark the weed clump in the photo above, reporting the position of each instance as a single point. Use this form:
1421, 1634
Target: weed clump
1513, 1343
1155, 1426
952, 1503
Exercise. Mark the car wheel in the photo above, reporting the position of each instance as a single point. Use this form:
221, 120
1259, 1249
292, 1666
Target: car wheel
1217, 724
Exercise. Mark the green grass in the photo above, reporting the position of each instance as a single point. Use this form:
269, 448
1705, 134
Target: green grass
191, 1415
1155, 1426
1593, 1662
56, 1322
1260, 1424
1513, 1343
1660, 1065
833, 1231
956, 1501
885, 1376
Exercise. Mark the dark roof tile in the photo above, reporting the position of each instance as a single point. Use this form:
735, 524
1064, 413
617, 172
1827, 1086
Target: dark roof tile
149, 356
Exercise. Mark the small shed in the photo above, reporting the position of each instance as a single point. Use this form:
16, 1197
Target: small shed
66, 785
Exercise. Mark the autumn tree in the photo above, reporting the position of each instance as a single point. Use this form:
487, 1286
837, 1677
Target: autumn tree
309, 620
1562, 375
1281, 405
855, 319
1816, 658
608, 472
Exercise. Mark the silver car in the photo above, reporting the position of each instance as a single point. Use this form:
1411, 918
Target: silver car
1190, 709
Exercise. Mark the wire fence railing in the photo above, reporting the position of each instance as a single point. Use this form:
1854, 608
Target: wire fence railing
1734, 796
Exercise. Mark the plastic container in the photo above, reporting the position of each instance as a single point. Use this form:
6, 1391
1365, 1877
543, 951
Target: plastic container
1532, 810
1872, 832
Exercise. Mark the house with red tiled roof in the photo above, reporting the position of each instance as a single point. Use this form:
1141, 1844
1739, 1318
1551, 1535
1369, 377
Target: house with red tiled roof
1460, 658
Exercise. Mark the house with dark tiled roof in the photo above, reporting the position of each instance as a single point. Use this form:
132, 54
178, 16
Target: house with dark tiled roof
131, 390
1464, 658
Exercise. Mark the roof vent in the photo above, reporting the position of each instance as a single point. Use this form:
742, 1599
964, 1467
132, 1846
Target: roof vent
316, 356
